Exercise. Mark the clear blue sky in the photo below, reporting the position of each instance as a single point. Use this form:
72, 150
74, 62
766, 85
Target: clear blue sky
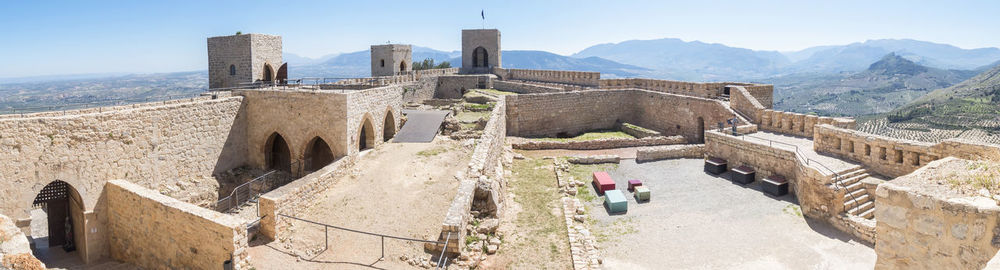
67, 37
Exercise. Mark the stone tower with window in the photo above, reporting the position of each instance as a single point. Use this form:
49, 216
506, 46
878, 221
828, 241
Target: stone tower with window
480, 50
391, 59
245, 58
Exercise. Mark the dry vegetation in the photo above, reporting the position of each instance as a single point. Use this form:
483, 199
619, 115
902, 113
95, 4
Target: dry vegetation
539, 239
593, 135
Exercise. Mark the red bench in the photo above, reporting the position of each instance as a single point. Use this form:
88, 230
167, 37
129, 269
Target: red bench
603, 182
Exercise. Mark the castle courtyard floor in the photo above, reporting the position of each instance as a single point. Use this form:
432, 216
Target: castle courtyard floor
698, 221
399, 189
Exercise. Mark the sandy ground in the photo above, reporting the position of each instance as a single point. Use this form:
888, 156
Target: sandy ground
698, 221
394, 190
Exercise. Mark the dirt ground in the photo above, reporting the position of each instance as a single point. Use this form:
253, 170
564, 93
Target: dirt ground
399, 189
698, 221
625, 153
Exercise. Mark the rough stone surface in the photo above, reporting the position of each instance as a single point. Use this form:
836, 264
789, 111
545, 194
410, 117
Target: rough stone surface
248, 54
597, 144
391, 59
15, 251
669, 152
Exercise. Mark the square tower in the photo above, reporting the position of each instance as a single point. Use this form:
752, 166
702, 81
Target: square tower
391, 59
480, 50
245, 58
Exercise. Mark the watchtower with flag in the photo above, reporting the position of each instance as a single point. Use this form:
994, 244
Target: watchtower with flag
480, 50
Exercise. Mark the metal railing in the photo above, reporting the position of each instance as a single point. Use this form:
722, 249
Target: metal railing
252, 189
835, 180
442, 260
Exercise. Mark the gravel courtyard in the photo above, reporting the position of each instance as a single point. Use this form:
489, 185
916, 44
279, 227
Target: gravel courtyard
698, 221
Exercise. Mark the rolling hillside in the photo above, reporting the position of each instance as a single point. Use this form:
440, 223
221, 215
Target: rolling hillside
974, 103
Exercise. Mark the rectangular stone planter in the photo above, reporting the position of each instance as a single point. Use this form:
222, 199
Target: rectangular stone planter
615, 201
743, 175
775, 185
603, 182
641, 194
715, 166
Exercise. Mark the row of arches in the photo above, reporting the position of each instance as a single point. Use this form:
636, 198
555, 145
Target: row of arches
268, 73
318, 152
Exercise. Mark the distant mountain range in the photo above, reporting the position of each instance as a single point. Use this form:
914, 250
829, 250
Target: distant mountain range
886, 84
974, 103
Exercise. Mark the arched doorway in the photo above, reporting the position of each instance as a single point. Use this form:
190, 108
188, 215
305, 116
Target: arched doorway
318, 154
282, 73
277, 154
480, 58
389, 126
701, 130
402, 66
57, 221
366, 140
268, 73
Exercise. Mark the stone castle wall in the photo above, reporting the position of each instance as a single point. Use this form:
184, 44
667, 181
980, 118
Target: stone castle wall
373, 105
454, 86
695, 89
157, 146
386, 60
584, 78
546, 115
799, 124
298, 116
744, 103
248, 52
891, 156
151, 230
524, 88
923, 225
297, 196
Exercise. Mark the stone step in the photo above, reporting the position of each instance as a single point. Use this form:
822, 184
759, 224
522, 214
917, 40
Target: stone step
870, 214
852, 179
861, 208
851, 187
858, 200
851, 172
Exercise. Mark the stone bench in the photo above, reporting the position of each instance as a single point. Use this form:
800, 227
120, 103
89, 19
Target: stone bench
614, 201
775, 185
743, 175
715, 166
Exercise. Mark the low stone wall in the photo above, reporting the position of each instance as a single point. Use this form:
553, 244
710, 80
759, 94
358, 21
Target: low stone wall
297, 196
744, 103
594, 159
598, 144
15, 251
584, 78
637, 131
798, 124
895, 157
923, 223
645, 154
695, 89
152, 230
482, 184
524, 88
454, 86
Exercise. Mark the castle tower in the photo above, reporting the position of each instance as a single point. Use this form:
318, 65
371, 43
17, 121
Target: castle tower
391, 59
245, 58
480, 50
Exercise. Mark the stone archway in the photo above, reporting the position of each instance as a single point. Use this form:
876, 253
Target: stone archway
282, 75
268, 73
366, 136
388, 126
480, 58
402, 66
57, 223
701, 130
277, 155
318, 155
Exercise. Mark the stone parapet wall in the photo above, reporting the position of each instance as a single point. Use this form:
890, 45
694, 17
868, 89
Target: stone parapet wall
925, 225
152, 230
598, 144
695, 89
103, 109
584, 78
454, 86
637, 131
483, 176
525, 88
895, 157
763, 93
372, 105
654, 153
297, 196
798, 124
398, 78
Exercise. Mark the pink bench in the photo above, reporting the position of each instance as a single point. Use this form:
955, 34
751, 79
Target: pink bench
603, 182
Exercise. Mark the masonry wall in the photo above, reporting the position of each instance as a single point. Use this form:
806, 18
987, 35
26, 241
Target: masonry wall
454, 86
298, 116
678, 115
386, 60
160, 147
373, 105
799, 124
489, 39
153, 231
923, 225
225, 51
265, 51
524, 88
584, 78
15, 251
296, 196
742, 101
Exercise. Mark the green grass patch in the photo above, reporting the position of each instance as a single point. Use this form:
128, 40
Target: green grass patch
477, 107
589, 136
497, 92
584, 173
472, 116
540, 220
432, 152
792, 209
638, 128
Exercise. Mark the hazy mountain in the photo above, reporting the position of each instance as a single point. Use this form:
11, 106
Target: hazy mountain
886, 84
973, 103
90, 92
676, 59
854, 56
357, 64
298, 60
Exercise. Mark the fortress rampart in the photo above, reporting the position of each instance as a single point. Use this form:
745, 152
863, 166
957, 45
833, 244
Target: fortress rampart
761, 92
583, 78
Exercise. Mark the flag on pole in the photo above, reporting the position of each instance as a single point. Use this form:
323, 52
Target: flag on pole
482, 13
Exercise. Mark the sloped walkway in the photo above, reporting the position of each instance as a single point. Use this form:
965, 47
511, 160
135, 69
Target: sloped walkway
804, 146
420, 127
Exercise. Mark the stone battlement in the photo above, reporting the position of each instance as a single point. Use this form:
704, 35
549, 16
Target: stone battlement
583, 78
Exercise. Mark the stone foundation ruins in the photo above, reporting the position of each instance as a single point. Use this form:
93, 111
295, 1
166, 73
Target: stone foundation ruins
141, 181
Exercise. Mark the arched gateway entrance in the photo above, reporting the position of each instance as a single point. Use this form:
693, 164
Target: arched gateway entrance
388, 127
366, 138
278, 155
57, 222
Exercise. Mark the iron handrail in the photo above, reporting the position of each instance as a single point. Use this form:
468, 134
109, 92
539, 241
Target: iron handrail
234, 196
808, 161
382, 237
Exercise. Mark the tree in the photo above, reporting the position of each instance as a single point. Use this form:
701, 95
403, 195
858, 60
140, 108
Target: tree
429, 64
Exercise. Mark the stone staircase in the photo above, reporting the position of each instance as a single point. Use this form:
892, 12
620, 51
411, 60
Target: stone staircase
857, 199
